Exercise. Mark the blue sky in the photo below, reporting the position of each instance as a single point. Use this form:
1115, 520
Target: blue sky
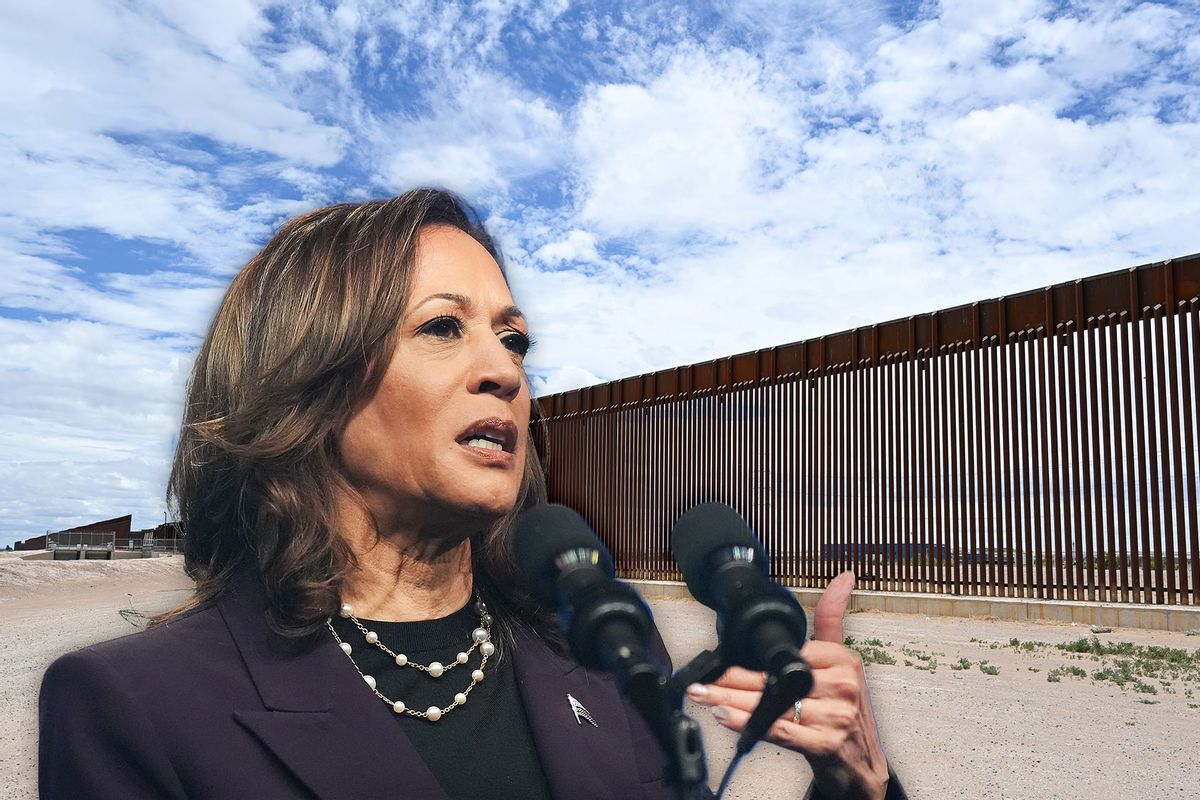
669, 183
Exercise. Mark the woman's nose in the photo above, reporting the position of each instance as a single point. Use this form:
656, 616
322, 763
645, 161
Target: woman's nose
496, 370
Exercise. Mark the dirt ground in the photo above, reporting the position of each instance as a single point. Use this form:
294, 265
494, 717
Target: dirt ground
48, 608
951, 729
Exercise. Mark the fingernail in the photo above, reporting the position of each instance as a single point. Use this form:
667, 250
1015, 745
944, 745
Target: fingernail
697, 690
720, 713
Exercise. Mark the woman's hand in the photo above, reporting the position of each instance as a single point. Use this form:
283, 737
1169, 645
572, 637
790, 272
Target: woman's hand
836, 729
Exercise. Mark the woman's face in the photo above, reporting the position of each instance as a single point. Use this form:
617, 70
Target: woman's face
443, 440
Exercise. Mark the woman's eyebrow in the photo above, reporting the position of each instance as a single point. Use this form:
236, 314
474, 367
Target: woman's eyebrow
458, 299
462, 301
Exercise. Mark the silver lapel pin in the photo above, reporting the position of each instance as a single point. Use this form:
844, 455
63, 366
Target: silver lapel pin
581, 713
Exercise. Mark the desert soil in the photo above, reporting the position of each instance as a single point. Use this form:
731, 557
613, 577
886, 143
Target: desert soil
950, 733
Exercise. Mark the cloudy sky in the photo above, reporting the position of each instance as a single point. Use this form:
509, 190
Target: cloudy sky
669, 184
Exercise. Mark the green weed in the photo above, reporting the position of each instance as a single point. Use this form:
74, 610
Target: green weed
1028, 647
875, 655
1120, 673
1055, 675
1093, 646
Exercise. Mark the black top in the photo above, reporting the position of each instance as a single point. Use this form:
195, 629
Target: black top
481, 749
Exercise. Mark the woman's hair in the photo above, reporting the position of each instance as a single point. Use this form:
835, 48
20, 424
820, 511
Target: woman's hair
302, 337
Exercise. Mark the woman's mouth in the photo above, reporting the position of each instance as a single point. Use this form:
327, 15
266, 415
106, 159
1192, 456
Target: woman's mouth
485, 443
492, 435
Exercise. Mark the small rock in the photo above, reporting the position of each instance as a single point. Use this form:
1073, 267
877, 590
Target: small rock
1101, 629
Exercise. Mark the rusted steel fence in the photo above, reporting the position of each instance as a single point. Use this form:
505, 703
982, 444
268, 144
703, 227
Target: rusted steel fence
1037, 445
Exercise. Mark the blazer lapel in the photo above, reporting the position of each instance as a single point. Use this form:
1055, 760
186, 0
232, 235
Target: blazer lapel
580, 760
320, 719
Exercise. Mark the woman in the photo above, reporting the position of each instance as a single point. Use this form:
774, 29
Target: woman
354, 450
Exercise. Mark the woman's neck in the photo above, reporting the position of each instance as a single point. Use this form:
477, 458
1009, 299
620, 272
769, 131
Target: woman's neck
405, 575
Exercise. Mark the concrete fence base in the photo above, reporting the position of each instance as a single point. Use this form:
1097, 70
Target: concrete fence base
1115, 615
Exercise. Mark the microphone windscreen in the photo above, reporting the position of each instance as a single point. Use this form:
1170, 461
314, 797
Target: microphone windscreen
545, 532
701, 530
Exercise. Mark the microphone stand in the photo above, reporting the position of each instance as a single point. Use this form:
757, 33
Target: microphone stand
659, 700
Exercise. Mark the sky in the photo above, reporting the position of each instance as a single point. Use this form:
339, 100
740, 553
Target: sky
669, 183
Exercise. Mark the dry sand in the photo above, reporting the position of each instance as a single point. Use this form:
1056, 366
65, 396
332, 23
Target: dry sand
949, 733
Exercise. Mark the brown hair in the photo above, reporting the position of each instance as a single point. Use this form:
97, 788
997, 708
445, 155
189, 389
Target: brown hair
302, 336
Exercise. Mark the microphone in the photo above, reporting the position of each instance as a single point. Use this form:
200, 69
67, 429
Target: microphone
760, 624
606, 622
607, 625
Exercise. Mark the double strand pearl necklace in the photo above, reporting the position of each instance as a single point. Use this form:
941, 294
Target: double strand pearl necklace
480, 638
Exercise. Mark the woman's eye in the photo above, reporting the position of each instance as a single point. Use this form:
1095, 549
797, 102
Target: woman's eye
443, 327
518, 343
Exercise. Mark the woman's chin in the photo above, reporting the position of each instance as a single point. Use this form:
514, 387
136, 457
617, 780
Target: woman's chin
485, 511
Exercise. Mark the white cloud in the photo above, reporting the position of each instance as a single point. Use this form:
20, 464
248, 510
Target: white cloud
479, 134
96, 373
952, 64
1027, 174
303, 58
104, 68
224, 28
576, 246
1109, 41
686, 153
87, 416
103, 106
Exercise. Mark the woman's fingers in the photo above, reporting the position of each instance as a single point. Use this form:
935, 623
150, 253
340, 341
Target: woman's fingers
813, 710
837, 672
818, 654
718, 695
818, 739
747, 700
739, 678
830, 613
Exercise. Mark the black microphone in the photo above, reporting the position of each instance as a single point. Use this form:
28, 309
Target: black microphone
607, 625
760, 624
606, 622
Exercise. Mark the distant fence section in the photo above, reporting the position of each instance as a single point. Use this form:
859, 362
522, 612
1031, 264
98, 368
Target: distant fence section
1038, 445
150, 544
76, 545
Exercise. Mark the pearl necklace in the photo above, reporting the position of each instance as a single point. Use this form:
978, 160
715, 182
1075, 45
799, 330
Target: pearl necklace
480, 638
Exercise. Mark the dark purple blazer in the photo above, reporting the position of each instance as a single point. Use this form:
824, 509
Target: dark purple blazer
215, 705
